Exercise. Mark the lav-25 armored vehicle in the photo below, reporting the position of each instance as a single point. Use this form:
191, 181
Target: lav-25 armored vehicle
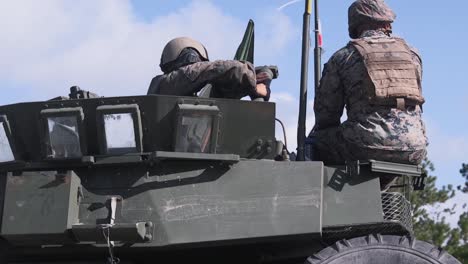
166, 179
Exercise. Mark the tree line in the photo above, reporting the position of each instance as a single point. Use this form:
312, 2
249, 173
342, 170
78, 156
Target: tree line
431, 224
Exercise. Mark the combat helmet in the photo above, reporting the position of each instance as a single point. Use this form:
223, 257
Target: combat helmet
368, 11
173, 49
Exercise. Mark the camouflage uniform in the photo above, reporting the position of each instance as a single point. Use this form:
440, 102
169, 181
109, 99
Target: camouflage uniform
371, 131
187, 70
230, 79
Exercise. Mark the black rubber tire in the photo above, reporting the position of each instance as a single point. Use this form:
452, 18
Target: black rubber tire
382, 249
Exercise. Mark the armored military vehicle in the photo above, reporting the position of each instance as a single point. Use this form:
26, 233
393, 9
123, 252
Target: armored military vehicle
167, 179
149, 179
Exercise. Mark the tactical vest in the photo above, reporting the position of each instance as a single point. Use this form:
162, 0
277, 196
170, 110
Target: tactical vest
395, 78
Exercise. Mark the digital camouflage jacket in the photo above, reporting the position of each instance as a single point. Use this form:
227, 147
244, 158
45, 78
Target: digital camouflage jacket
230, 79
368, 127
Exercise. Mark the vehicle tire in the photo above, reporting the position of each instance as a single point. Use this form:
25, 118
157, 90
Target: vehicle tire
382, 249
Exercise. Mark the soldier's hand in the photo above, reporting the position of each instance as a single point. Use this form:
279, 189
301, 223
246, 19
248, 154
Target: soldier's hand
261, 90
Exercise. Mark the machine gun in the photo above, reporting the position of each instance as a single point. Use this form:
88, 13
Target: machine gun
77, 93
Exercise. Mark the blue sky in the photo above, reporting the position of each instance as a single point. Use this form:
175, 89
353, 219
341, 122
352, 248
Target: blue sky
113, 47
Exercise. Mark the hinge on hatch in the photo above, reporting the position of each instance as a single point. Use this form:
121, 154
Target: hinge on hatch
354, 169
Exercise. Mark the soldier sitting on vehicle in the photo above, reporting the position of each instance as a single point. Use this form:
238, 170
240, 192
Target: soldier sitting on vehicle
187, 70
377, 78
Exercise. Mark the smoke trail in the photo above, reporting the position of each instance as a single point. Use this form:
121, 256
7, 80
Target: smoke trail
288, 4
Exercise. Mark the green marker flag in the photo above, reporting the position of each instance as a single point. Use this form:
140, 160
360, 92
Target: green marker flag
245, 51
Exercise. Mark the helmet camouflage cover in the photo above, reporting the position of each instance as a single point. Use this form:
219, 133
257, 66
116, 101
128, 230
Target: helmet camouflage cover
363, 12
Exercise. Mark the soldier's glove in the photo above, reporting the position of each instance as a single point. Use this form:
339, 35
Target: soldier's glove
264, 75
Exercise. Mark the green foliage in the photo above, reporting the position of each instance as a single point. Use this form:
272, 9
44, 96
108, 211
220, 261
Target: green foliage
433, 227
464, 173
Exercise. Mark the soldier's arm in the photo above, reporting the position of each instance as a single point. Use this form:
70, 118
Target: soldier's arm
236, 78
154, 85
329, 98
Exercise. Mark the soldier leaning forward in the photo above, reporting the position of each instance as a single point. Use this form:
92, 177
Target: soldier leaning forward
187, 70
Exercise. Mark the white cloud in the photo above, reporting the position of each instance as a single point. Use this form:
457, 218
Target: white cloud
282, 97
50, 45
448, 150
273, 32
445, 147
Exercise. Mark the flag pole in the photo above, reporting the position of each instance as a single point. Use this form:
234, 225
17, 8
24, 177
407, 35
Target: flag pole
301, 127
318, 48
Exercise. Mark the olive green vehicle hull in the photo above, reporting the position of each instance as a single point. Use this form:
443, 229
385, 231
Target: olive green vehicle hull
184, 206
235, 202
